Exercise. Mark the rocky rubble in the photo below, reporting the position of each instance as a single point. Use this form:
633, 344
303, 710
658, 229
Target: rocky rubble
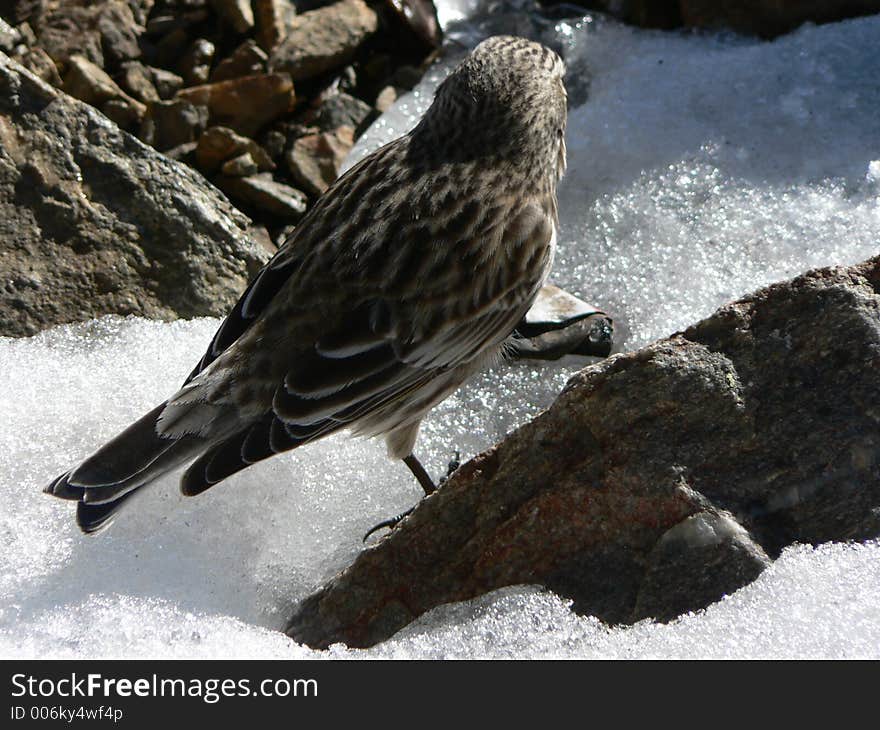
764, 18
92, 221
659, 480
297, 86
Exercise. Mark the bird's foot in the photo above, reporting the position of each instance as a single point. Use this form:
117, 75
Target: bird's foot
390, 523
453, 465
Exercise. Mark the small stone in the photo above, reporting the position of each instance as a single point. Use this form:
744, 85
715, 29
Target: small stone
240, 166
246, 60
167, 84
172, 46
419, 18
272, 18
195, 66
342, 110
68, 29
245, 104
385, 99
237, 14
266, 195
119, 33
172, 123
18, 11
324, 39
219, 144
126, 113
315, 160
9, 37
88, 82
138, 81
274, 142
37, 61
91, 84
182, 151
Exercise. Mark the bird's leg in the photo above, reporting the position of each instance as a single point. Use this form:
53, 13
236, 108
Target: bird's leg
415, 466
424, 479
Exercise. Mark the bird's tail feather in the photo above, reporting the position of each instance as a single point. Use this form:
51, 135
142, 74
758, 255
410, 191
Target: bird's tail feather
105, 481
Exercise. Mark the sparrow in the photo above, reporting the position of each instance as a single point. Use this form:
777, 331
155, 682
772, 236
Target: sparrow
407, 277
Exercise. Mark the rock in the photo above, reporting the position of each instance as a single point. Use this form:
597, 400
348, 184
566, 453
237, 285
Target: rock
315, 160
419, 19
659, 480
91, 84
266, 195
770, 18
167, 84
324, 39
170, 49
246, 60
274, 142
237, 14
37, 61
88, 82
105, 32
93, 222
70, 29
219, 144
185, 152
125, 113
119, 32
240, 166
138, 81
195, 66
9, 37
701, 558
168, 124
385, 99
341, 110
20, 11
246, 104
272, 18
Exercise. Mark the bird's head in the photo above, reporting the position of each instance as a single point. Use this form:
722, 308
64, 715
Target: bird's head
506, 99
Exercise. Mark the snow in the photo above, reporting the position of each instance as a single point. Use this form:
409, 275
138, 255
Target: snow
701, 166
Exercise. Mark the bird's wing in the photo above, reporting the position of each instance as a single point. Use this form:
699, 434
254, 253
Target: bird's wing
448, 317
278, 270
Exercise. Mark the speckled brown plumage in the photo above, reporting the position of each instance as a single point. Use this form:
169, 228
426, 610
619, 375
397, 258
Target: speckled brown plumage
404, 279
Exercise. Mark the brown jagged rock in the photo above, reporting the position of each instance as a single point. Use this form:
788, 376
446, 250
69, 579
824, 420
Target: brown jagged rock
168, 124
246, 60
324, 39
659, 480
238, 14
94, 222
272, 18
265, 195
316, 159
245, 104
220, 144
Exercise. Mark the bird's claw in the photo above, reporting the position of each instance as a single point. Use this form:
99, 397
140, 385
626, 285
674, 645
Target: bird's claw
390, 523
453, 465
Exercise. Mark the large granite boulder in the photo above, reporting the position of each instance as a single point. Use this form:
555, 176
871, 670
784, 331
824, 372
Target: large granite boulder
659, 480
92, 221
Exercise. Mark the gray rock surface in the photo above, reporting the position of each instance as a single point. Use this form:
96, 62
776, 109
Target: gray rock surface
94, 222
659, 480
